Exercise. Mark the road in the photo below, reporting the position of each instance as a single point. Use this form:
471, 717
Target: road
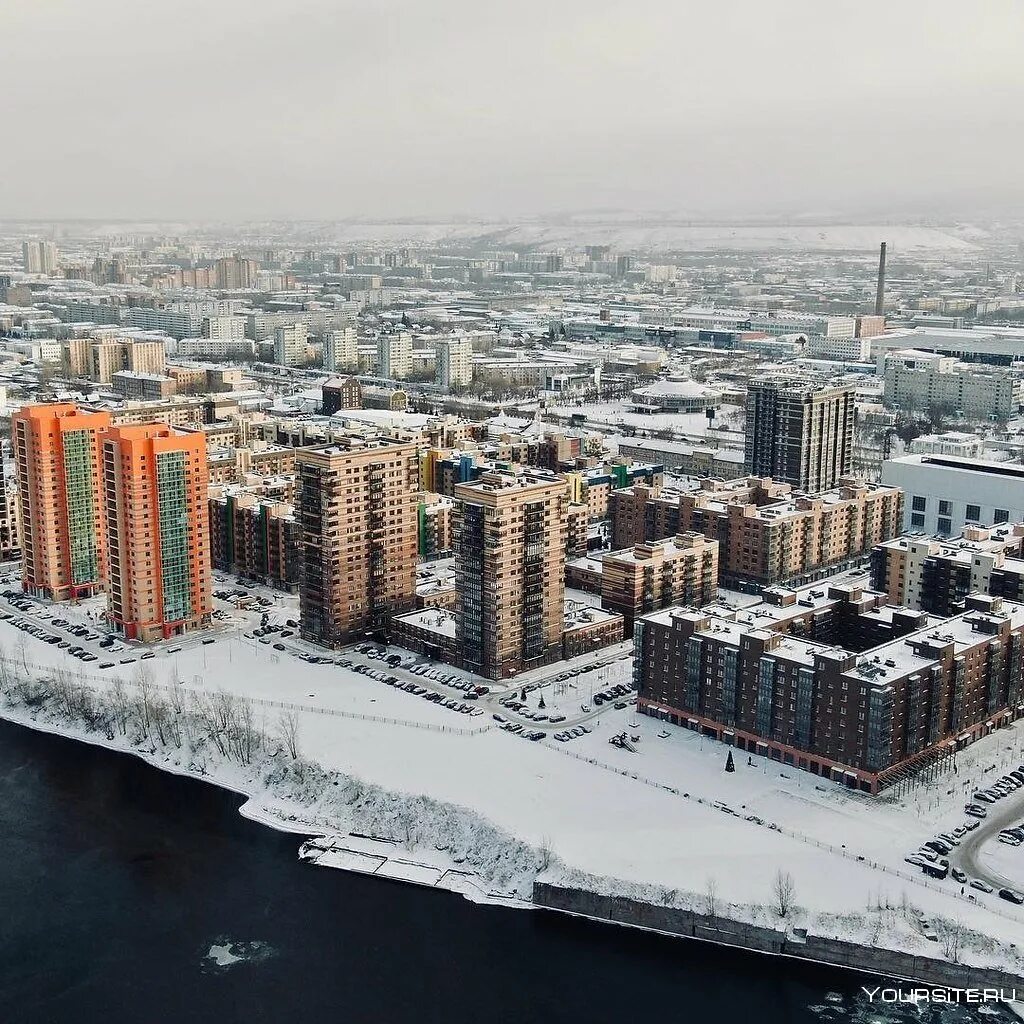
1008, 811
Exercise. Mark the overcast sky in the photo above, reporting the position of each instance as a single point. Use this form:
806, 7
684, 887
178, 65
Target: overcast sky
245, 109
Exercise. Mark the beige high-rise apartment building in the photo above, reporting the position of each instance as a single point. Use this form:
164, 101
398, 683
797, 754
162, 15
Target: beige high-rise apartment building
100, 358
232, 272
454, 366
290, 344
39, 257
509, 535
357, 509
341, 349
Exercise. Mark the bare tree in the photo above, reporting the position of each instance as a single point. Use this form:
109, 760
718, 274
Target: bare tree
951, 937
545, 853
23, 652
119, 705
782, 892
288, 732
711, 898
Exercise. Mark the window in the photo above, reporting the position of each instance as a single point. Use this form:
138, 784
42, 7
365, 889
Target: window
919, 504
973, 513
917, 521
945, 508
944, 525
1000, 515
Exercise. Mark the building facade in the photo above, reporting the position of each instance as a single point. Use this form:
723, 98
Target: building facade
157, 531
945, 492
799, 432
454, 361
357, 514
290, 344
509, 533
341, 349
682, 570
864, 719
927, 380
57, 453
341, 393
394, 355
257, 538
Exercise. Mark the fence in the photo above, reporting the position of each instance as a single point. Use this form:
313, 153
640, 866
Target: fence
42, 671
799, 836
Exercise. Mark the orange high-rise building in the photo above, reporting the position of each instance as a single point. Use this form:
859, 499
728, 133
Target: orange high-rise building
57, 453
157, 530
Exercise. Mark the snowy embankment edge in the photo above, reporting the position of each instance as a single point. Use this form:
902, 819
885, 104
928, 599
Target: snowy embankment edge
295, 796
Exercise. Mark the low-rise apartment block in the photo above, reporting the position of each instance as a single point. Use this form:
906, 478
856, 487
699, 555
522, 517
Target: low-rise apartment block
863, 718
681, 570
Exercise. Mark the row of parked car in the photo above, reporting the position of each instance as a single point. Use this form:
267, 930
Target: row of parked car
231, 595
571, 734
518, 729
1004, 787
466, 686
420, 691
615, 693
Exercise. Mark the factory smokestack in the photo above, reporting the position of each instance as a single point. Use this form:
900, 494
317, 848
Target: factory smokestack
880, 293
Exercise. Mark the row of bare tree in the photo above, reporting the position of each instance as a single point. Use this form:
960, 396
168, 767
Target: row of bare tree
146, 713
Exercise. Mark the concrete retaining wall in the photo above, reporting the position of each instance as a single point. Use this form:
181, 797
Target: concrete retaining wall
689, 924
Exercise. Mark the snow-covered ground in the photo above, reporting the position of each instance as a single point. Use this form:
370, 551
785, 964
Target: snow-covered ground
387, 763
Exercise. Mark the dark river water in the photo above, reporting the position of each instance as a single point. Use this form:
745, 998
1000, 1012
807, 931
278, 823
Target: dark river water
117, 881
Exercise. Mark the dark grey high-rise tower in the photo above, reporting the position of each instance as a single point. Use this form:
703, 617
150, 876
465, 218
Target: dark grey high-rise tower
799, 432
880, 290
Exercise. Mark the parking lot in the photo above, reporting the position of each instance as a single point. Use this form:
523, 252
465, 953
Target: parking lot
993, 814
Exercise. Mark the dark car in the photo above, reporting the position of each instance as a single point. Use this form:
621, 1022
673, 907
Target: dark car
1011, 895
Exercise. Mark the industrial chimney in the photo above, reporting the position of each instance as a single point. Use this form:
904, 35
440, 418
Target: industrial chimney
880, 293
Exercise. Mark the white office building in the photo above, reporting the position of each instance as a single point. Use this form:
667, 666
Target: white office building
341, 349
943, 493
394, 355
223, 327
290, 344
454, 362
922, 380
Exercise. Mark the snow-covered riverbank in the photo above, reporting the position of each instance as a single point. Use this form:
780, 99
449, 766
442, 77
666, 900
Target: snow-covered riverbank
372, 790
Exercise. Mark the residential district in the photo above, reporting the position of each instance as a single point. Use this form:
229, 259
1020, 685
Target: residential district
763, 509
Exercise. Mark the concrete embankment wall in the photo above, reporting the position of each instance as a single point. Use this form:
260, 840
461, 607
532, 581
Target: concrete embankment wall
836, 952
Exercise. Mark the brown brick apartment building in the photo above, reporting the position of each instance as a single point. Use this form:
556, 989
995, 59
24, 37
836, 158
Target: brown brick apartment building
766, 534
860, 718
682, 570
357, 513
510, 571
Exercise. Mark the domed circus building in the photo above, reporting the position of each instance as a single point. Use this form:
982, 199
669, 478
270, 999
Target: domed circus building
675, 394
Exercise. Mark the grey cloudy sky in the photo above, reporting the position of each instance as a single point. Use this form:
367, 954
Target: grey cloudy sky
328, 108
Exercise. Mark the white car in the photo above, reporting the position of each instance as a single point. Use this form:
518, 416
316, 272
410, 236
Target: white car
977, 883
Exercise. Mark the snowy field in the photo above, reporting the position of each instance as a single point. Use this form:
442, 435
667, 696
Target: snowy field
662, 821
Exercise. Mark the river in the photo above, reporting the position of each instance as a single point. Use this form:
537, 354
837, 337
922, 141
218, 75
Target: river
130, 895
